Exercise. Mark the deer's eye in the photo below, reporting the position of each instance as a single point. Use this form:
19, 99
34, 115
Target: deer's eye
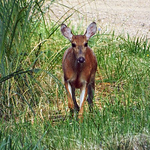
73, 45
86, 44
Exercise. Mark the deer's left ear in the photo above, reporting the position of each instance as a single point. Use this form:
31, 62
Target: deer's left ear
91, 30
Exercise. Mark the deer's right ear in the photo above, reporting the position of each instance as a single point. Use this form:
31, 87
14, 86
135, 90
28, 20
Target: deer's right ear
66, 32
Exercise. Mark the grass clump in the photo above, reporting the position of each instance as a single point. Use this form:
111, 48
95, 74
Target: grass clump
25, 58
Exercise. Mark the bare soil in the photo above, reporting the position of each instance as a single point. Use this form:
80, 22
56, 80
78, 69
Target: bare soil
123, 16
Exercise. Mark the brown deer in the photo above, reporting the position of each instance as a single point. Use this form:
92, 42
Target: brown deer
79, 66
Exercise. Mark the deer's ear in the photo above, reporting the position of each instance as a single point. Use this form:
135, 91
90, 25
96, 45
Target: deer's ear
66, 32
91, 30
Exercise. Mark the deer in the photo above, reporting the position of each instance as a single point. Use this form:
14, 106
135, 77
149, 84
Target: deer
79, 65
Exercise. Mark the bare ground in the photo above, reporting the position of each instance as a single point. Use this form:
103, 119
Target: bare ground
123, 16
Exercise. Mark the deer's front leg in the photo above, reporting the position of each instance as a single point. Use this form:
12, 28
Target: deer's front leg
83, 95
69, 95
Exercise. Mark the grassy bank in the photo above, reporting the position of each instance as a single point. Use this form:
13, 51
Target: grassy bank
33, 104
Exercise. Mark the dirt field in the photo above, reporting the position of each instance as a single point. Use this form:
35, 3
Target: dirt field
123, 16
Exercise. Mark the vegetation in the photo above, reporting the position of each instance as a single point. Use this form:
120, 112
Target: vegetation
33, 103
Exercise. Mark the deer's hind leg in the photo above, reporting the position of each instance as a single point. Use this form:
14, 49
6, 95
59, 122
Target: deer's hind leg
76, 107
91, 88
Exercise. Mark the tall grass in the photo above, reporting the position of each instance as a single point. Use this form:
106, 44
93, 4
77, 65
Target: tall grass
33, 105
26, 57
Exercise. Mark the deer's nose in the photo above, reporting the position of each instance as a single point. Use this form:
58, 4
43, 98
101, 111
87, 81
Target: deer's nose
81, 60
